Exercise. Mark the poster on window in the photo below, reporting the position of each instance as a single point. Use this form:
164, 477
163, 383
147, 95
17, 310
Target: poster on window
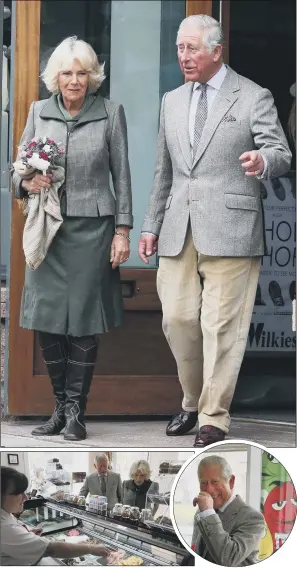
278, 505
271, 328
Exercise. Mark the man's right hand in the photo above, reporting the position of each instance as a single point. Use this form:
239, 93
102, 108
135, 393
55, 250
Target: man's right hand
147, 246
38, 182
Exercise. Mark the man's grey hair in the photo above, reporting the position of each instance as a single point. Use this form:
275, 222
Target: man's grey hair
212, 33
226, 470
101, 457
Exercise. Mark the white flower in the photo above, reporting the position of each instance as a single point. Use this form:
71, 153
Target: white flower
23, 154
22, 169
38, 163
46, 148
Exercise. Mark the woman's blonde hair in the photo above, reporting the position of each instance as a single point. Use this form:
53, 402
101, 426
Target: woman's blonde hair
140, 465
62, 59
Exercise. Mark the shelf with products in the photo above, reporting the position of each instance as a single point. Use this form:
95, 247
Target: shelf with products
65, 522
157, 509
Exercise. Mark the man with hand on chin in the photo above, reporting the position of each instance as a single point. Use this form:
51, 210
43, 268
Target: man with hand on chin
227, 531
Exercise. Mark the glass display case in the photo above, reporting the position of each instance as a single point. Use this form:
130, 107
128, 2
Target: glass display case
157, 509
132, 542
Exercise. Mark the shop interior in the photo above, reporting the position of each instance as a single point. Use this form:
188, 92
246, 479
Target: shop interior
140, 535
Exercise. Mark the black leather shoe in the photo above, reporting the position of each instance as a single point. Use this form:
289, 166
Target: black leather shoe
208, 435
181, 423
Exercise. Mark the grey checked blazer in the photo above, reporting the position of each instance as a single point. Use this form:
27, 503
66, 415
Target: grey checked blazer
231, 537
96, 146
223, 204
113, 487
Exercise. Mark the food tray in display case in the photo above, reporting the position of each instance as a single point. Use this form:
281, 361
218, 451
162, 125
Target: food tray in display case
130, 545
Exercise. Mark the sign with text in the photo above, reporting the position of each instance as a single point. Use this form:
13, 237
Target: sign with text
271, 327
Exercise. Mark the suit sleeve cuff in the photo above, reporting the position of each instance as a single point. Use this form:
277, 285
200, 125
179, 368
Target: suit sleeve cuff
206, 513
152, 227
264, 173
124, 219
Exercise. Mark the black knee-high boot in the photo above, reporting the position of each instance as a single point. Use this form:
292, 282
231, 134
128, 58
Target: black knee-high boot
81, 362
55, 352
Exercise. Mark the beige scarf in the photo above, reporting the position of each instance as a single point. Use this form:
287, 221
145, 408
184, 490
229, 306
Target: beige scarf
43, 220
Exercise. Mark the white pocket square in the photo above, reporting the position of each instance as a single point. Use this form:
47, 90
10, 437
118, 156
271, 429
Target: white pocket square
229, 118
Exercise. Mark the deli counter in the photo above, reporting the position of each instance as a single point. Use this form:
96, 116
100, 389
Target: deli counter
131, 541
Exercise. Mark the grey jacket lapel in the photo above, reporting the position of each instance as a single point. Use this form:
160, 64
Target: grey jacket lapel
225, 98
183, 123
227, 516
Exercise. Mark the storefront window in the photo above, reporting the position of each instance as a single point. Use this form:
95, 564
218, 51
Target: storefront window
263, 49
5, 24
136, 39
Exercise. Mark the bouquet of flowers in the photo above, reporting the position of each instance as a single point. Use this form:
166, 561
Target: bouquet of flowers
42, 209
38, 154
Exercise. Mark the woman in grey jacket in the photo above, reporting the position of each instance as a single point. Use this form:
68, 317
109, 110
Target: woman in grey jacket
75, 293
136, 488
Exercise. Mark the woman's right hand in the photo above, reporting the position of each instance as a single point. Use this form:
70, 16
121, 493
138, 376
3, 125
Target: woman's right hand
38, 182
99, 550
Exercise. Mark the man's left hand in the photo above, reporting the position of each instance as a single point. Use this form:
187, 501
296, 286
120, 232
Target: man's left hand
204, 501
252, 163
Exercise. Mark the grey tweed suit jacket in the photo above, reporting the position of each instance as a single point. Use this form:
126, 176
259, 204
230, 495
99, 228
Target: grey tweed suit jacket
222, 203
96, 147
92, 485
231, 537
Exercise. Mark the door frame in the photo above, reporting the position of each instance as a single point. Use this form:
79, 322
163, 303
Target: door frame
26, 90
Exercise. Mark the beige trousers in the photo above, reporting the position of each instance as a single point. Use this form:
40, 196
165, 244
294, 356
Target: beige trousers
207, 308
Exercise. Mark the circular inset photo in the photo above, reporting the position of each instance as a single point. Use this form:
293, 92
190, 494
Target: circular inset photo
234, 504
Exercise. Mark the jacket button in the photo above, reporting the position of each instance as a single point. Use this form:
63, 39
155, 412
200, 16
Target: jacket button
188, 202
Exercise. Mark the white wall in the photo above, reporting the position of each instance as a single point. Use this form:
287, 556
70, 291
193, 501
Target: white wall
23, 466
122, 461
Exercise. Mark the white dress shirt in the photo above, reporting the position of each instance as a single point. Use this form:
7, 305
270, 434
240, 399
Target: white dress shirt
207, 512
19, 546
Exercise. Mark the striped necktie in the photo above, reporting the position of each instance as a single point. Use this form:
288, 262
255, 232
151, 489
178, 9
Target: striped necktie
103, 485
200, 118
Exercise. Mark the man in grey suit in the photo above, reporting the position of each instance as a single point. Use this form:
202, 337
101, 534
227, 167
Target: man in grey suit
103, 482
219, 135
226, 530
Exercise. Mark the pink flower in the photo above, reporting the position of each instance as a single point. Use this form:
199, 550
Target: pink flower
43, 155
32, 145
50, 142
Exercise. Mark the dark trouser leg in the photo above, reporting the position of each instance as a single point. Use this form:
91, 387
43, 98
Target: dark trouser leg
55, 352
81, 362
